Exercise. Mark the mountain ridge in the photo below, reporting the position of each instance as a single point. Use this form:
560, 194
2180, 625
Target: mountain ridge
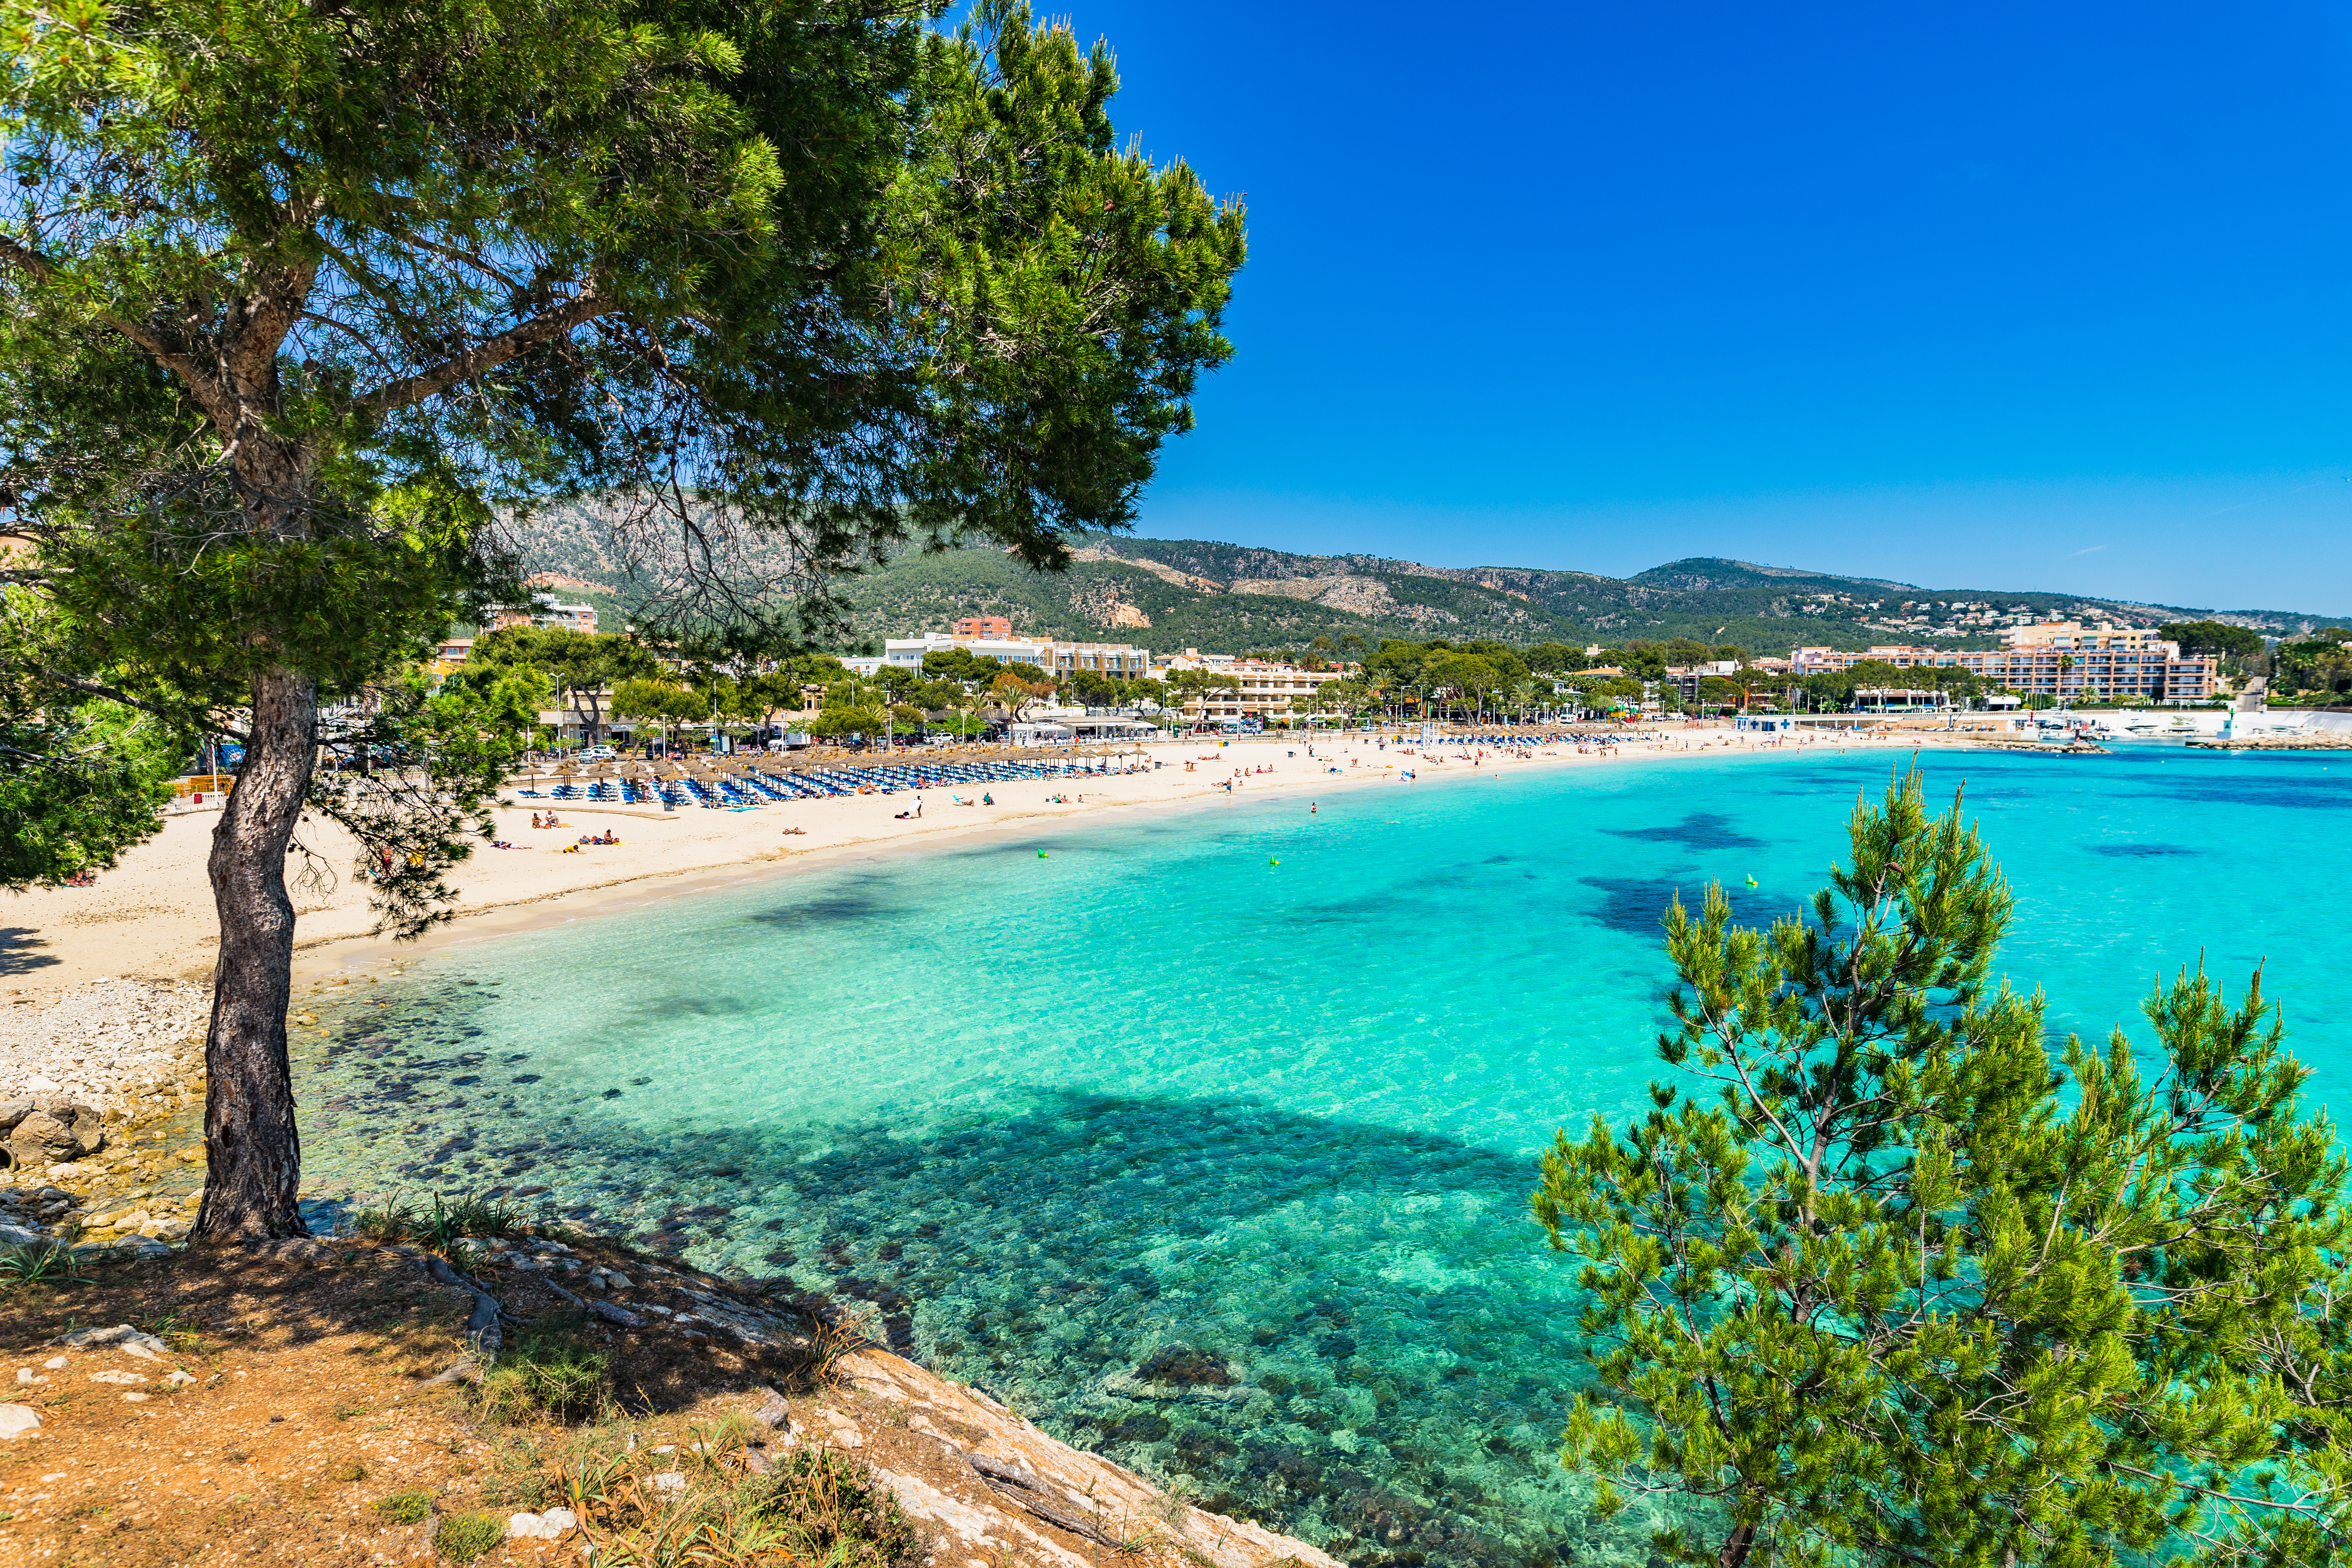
1167, 594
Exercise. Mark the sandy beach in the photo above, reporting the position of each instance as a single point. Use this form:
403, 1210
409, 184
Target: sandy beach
151, 919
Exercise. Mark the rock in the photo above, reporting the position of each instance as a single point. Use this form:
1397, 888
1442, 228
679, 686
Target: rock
137, 1398
560, 1520
612, 1313
530, 1527
1184, 1365
756, 1462
772, 1410
40, 1085
13, 1235
16, 1420
12, 1111
299, 1250
181, 1377
112, 1376
51, 1136
97, 1339
55, 1364
670, 1481
618, 1281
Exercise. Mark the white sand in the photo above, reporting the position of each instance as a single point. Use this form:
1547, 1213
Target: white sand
151, 919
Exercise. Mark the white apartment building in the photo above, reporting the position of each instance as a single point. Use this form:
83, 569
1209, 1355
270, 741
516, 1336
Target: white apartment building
545, 610
1055, 659
2054, 658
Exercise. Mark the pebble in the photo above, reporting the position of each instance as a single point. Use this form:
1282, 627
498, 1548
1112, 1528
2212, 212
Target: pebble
670, 1481
16, 1420
111, 1376
111, 1042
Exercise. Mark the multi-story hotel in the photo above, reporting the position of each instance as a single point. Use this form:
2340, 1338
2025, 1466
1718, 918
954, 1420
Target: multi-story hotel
1265, 689
2053, 658
1055, 659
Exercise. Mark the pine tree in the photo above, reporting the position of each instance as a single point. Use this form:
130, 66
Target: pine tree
303, 307
1901, 1290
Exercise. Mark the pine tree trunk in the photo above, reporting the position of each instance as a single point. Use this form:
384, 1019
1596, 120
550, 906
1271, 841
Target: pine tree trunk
253, 1152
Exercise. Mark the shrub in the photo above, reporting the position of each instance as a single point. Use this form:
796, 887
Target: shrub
546, 1373
389, 1221
40, 1263
442, 1230
462, 1537
404, 1508
467, 1216
816, 1506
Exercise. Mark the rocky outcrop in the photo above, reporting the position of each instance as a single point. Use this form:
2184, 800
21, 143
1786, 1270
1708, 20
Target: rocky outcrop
52, 1131
996, 1482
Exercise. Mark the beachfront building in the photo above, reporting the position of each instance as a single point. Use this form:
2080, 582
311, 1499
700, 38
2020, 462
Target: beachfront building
545, 610
1264, 689
2052, 658
1057, 659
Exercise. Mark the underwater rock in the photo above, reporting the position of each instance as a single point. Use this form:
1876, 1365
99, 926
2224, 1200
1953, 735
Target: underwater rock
1183, 1364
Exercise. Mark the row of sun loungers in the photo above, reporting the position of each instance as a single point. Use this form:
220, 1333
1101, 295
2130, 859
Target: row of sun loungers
757, 787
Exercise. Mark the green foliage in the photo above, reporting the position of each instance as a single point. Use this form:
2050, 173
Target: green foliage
463, 1537
1877, 1280
38, 1263
442, 1228
404, 1508
2318, 668
547, 1374
816, 1506
837, 723
81, 777
2213, 637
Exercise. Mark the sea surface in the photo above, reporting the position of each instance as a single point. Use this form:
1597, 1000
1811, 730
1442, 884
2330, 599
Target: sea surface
1256, 1091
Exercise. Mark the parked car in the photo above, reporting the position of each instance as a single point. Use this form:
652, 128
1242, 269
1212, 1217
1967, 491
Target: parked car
597, 754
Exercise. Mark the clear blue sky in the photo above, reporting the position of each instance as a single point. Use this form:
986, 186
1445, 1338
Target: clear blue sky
1988, 295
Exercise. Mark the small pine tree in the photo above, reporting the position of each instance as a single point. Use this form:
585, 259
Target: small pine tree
1903, 1290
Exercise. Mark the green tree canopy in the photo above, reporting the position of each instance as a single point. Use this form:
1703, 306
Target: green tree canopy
1877, 1281
2214, 637
303, 309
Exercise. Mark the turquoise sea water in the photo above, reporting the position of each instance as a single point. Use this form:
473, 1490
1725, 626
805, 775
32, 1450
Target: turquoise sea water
1155, 1093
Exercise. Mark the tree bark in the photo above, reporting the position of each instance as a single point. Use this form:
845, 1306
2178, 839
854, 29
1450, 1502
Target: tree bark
1735, 1547
251, 1145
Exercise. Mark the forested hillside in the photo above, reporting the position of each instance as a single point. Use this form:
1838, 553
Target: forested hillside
1166, 595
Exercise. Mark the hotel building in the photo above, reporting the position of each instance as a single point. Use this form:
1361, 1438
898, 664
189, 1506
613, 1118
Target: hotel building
1055, 659
2053, 658
1267, 689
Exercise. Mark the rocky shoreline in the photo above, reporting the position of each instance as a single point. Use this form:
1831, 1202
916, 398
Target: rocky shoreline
101, 1095
103, 1092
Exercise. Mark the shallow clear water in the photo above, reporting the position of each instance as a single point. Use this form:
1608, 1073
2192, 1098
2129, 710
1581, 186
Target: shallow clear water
1052, 1115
